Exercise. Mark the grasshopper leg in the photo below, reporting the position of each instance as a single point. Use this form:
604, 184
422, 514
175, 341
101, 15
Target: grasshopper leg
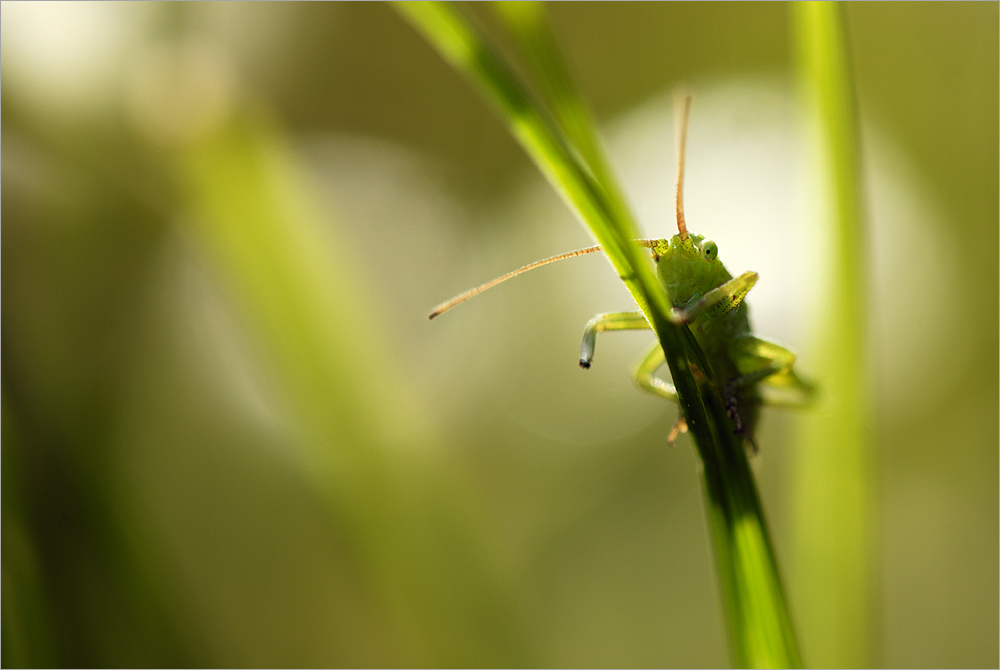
767, 362
788, 390
680, 427
645, 374
717, 302
757, 359
603, 322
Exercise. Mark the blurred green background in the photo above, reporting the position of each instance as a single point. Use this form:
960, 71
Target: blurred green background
231, 437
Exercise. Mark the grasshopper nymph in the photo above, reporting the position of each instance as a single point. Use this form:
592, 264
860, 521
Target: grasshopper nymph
707, 298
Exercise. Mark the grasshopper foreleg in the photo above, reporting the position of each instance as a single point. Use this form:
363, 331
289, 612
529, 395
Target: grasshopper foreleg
603, 322
716, 302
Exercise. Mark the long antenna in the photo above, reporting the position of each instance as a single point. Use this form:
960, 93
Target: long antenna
459, 299
682, 107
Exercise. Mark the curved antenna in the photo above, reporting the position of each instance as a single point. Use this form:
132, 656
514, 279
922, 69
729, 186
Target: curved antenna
682, 107
459, 299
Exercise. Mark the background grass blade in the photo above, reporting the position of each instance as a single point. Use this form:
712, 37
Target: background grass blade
232, 439
833, 483
255, 222
567, 151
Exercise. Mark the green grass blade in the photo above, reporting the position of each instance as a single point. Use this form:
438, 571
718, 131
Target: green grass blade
565, 147
528, 22
833, 482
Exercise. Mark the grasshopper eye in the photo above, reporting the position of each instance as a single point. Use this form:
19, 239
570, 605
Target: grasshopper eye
709, 251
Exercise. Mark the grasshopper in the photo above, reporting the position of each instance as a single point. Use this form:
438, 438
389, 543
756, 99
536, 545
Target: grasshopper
708, 299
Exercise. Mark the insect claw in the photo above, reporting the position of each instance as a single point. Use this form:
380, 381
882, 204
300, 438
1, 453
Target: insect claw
731, 408
585, 364
679, 427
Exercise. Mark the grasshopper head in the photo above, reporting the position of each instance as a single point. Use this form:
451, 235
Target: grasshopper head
688, 267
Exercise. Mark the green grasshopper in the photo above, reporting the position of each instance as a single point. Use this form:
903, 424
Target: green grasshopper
707, 298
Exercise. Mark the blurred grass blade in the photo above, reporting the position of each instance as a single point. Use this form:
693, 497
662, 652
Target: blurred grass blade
359, 434
28, 639
567, 151
833, 496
